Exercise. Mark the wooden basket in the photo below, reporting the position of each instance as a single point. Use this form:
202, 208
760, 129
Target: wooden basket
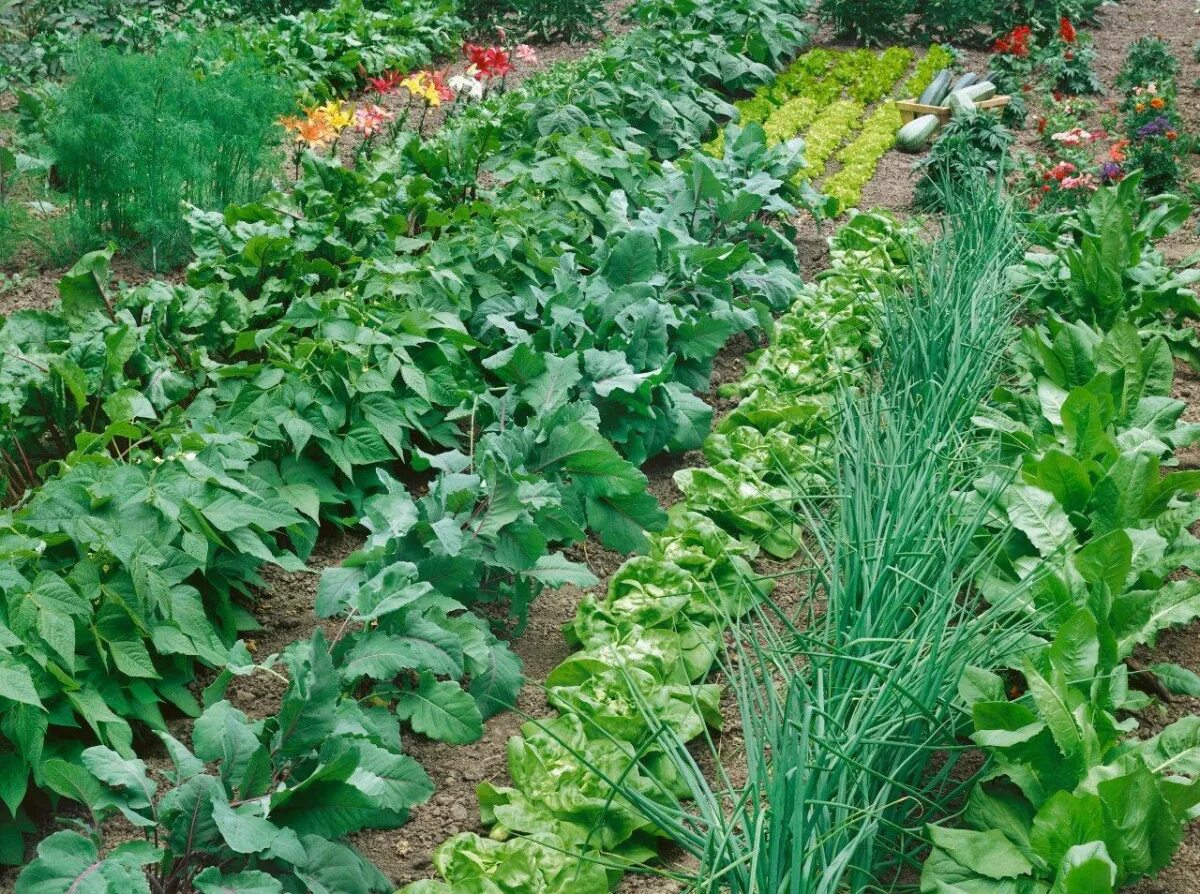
911, 110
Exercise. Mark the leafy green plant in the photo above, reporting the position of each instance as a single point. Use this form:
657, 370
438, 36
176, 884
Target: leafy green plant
544, 20
327, 50
969, 146
1066, 804
1148, 60
253, 805
112, 127
870, 21
1108, 268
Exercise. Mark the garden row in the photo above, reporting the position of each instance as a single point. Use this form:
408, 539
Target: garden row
1062, 529
1090, 541
586, 785
320, 47
326, 343
1044, 511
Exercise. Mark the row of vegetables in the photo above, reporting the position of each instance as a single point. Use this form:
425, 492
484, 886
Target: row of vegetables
515, 356
1086, 540
510, 359
321, 49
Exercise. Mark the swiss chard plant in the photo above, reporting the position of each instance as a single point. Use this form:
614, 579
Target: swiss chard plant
1089, 430
1066, 806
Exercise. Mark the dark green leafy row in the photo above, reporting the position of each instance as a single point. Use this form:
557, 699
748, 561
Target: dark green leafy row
1097, 536
323, 52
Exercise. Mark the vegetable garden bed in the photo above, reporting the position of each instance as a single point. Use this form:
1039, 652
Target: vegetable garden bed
443, 377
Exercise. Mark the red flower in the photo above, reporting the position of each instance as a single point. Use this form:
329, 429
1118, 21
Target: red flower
438, 80
388, 82
1015, 43
489, 62
1066, 30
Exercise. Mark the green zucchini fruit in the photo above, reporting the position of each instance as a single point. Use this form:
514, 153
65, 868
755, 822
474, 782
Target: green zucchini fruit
965, 81
961, 104
937, 89
915, 136
980, 91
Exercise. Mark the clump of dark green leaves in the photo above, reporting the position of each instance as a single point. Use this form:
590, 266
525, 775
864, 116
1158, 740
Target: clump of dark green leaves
541, 20
1100, 264
1067, 804
252, 805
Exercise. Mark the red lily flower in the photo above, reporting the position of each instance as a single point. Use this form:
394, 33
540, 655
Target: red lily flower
489, 62
388, 82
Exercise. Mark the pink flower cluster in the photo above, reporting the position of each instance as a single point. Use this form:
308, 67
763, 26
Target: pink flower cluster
1077, 136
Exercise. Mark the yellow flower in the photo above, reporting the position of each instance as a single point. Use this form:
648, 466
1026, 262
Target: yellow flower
336, 114
421, 86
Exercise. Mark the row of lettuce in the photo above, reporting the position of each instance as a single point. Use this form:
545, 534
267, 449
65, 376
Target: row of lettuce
508, 355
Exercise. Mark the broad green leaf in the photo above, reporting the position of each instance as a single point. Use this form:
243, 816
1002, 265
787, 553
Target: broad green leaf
244, 833
248, 881
1064, 821
1037, 515
988, 853
555, 570
83, 287
16, 683
634, 259
441, 710
424, 646
1142, 832
395, 781
1176, 679
328, 808
496, 683
1086, 869
1175, 750
1106, 559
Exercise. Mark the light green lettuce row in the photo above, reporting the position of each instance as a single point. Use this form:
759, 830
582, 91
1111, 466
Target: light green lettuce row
882, 75
648, 644
827, 135
791, 119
